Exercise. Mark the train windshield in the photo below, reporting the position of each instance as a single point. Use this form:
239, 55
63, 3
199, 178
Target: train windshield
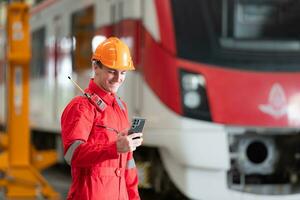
245, 34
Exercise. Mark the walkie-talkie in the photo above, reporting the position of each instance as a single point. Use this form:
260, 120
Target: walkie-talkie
93, 98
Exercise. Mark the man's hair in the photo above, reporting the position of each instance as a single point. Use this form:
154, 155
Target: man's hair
98, 63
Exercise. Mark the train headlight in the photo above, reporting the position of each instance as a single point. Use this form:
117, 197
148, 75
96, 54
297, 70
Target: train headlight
194, 99
192, 81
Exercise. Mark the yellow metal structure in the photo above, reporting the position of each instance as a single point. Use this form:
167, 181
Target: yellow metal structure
19, 162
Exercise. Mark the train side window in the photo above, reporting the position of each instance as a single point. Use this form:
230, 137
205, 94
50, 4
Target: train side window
38, 53
83, 31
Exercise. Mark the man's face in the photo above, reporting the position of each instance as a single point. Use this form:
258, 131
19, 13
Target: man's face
109, 79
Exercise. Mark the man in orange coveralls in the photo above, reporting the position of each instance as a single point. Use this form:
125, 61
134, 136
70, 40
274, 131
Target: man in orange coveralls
95, 136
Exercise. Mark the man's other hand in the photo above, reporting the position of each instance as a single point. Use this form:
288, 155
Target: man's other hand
126, 143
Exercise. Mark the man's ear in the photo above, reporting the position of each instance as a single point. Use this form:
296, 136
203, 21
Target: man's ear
94, 67
95, 71
92, 72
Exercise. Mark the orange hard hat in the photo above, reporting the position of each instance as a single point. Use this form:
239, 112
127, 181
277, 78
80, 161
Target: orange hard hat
114, 54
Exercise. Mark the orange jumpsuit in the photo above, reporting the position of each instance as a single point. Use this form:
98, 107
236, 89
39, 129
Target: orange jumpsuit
99, 172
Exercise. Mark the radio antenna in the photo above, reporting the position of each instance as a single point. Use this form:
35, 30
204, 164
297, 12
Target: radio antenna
76, 85
93, 98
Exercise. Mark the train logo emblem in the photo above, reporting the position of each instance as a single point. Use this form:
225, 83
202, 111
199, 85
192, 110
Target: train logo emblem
277, 103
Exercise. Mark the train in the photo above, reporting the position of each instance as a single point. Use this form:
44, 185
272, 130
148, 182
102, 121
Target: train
217, 81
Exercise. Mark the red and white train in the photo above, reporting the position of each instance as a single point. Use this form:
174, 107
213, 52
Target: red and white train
217, 80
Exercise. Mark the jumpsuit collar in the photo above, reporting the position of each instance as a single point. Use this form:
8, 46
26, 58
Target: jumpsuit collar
106, 96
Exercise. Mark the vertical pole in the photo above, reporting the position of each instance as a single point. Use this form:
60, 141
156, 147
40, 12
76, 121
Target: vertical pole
18, 84
22, 179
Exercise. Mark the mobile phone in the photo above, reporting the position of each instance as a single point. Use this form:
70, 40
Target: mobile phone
137, 125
